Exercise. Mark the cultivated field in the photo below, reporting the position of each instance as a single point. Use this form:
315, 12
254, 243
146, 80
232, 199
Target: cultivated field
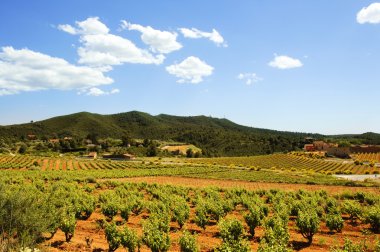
225, 204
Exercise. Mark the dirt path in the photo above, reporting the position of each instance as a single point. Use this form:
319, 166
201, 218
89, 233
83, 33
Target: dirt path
197, 182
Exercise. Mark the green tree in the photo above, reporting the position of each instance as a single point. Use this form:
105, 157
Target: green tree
23, 148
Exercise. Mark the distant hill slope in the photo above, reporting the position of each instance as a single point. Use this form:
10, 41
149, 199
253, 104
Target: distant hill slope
215, 136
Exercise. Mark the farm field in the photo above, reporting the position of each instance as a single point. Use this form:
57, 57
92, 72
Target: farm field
291, 162
99, 206
368, 157
193, 182
278, 168
85, 201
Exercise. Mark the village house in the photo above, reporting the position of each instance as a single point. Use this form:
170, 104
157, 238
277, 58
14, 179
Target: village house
309, 147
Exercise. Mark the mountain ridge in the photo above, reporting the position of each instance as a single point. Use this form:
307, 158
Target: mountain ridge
218, 136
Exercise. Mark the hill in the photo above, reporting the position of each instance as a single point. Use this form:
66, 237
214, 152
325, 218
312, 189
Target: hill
215, 136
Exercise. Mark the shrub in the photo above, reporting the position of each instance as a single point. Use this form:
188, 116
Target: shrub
129, 239
181, 211
231, 232
155, 234
334, 222
276, 232
276, 236
215, 208
201, 218
254, 219
349, 246
125, 211
110, 209
67, 226
84, 206
372, 217
31, 215
308, 223
353, 209
188, 243
113, 237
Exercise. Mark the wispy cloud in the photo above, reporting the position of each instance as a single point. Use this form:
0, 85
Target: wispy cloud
213, 36
249, 78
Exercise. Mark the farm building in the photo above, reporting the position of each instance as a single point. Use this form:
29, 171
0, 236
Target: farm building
309, 147
322, 146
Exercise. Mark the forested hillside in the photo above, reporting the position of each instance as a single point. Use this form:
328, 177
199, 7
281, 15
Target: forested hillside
215, 136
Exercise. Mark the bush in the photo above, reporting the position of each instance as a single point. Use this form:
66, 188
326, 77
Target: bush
334, 222
113, 237
253, 219
308, 223
276, 235
201, 218
129, 239
372, 217
84, 206
155, 234
31, 216
125, 211
188, 243
67, 226
349, 246
232, 234
181, 211
110, 209
352, 208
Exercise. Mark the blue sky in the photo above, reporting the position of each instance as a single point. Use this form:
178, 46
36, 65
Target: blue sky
306, 66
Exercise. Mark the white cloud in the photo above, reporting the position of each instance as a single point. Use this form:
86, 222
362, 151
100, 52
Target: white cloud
369, 14
101, 48
159, 41
67, 28
249, 78
25, 70
191, 70
285, 62
214, 36
98, 92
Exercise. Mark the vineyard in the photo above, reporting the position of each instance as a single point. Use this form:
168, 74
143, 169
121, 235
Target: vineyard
293, 163
368, 157
271, 162
101, 216
76, 204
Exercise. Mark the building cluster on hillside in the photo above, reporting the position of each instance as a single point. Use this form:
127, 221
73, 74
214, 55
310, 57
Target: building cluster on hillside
333, 149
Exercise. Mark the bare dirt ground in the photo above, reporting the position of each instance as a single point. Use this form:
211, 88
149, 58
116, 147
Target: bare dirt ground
202, 183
